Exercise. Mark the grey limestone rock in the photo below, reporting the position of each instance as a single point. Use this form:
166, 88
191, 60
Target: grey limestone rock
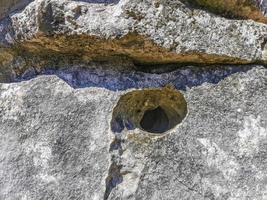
52, 146
68, 64
183, 33
56, 143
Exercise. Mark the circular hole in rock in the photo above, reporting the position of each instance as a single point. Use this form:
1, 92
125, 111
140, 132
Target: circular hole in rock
152, 110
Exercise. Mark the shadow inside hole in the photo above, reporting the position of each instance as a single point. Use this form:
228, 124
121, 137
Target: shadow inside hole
155, 121
151, 110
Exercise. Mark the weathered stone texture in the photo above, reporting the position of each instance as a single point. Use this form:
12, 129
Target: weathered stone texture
159, 31
51, 147
241, 9
56, 143
56, 137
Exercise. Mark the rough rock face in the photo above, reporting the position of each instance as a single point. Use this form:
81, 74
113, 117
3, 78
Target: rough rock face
146, 31
73, 126
243, 9
56, 143
58, 151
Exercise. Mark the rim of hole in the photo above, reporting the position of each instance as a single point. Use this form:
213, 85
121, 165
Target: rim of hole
168, 104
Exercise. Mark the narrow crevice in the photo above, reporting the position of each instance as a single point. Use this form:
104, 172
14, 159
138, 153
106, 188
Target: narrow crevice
160, 68
113, 179
142, 76
115, 176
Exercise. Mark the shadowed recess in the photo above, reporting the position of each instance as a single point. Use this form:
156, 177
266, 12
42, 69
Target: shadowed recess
181, 78
114, 178
152, 110
155, 121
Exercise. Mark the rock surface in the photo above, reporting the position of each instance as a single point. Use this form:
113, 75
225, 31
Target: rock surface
243, 9
146, 31
56, 143
51, 147
66, 65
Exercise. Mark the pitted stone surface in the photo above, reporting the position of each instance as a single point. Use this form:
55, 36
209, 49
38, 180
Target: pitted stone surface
56, 143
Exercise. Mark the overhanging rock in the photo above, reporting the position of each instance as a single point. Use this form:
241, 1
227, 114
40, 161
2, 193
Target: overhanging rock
147, 31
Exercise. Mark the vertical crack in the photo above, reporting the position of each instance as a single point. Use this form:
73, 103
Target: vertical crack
115, 177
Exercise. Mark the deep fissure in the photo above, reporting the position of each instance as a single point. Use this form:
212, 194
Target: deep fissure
114, 177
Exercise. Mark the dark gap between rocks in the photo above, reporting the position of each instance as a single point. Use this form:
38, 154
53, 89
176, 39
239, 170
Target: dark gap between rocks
181, 77
114, 178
